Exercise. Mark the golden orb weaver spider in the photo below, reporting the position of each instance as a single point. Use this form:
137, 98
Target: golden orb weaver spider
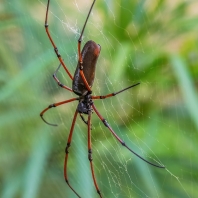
82, 82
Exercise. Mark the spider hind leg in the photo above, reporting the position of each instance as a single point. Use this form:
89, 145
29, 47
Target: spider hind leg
67, 154
120, 140
90, 156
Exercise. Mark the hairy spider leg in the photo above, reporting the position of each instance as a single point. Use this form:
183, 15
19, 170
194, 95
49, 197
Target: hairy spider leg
120, 140
113, 94
55, 105
51, 40
67, 153
58, 81
79, 50
90, 154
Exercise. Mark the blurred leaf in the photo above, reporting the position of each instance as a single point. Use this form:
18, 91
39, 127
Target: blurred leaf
187, 87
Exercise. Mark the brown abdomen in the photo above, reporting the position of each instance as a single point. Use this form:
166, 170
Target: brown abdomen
90, 54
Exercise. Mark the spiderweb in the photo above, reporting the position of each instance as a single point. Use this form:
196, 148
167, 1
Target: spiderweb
119, 173
149, 117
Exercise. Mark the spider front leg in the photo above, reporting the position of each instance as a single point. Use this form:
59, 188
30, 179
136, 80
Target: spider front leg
120, 140
90, 154
113, 94
52, 42
55, 105
58, 81
67, 153
80, 59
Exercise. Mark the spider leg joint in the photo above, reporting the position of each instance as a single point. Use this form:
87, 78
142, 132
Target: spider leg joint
105, 123
66, 181
60, 84
67, 148
56, 51
46, 25
98, 192
90, 92
123, 143
90, 155
52, 105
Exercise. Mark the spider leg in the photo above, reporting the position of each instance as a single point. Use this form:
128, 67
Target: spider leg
58, 81
67, 152
80, 38
90, 154
113, 94
120, 140
55, 105
51, 40
83, 119
79, 50
84, 79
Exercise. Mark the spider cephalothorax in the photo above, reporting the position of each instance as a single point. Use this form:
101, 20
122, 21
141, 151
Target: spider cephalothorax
84, 105
82, 82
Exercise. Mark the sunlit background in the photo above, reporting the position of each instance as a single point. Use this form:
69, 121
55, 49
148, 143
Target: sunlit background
151, 42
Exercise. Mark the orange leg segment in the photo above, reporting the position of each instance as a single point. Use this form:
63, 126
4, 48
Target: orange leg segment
51, 40
67, 153
55, 105
90, 155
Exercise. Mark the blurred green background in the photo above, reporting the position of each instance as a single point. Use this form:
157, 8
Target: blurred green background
152, 42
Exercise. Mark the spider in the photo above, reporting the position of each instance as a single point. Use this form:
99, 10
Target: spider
82, 82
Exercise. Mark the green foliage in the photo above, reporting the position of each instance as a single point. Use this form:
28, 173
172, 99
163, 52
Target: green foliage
152, 43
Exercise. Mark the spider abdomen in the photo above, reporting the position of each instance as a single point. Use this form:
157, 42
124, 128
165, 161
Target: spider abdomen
90, 53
